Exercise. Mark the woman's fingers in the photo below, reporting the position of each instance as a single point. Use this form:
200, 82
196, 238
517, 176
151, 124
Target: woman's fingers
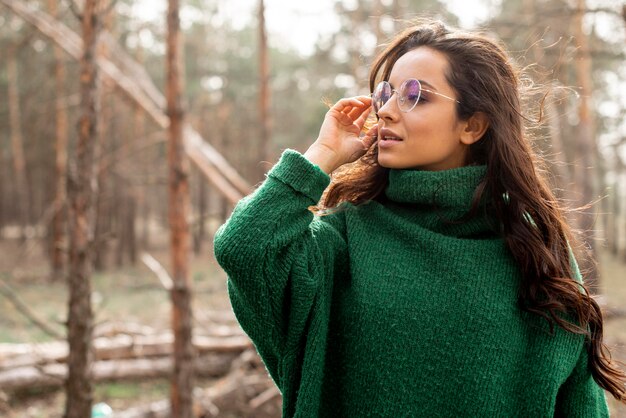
347, 104
355, 113
354, 117
359, 114
350, 113
360, 121
370, 137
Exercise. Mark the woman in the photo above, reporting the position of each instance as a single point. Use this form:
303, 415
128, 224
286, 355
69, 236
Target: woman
439, 281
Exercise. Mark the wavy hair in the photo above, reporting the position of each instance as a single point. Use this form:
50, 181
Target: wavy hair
485, 80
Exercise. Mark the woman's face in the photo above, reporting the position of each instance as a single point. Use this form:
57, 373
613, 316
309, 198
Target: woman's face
429, 137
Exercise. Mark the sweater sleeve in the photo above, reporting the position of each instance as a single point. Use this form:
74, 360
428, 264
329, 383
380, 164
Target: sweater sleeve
580, 396
277, 255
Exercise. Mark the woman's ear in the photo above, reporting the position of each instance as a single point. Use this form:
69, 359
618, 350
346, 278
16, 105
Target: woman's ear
474, 128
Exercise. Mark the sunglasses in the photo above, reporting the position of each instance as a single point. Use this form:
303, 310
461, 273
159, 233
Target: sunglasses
408, 95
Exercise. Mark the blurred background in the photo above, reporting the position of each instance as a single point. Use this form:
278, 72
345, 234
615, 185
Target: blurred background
254, 78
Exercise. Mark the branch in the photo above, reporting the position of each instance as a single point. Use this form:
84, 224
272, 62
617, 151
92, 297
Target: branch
23, 308
211, 163
157, 269
74, 9
264, 397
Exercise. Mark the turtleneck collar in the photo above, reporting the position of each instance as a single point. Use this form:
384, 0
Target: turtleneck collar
446, 188
438, 196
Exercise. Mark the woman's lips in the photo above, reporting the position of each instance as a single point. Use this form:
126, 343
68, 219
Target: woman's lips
386, 137
386, 143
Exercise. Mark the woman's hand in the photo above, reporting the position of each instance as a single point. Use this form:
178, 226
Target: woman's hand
339, 142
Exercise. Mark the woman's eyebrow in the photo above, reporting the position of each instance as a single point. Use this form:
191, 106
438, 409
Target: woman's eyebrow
427, 84
422, 82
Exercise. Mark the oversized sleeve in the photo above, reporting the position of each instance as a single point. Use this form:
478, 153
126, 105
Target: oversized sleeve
580, 396
277, 256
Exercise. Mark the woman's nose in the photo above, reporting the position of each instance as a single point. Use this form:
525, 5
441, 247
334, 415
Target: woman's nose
389, 110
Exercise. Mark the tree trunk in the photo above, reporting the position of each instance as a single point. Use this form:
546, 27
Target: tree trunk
81, 184
3, 190
264, 95
618, 207
558, 166
378, 11
585, 147
200, 224
126, 250
105, 205
17, 142
121, 234
132, 236
57, 225
139, 132
218, 205
137, 86
398, 11
223, 144
612, 228
105, 201
182, 378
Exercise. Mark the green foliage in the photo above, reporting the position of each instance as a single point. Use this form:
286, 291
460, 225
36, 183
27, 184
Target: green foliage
130, 390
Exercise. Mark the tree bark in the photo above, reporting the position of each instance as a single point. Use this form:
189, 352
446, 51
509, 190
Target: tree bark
612, 233
378, 12
224, 144
558, 161
109, 183
3, 189
585, 148
264, 94
17, 142
57, 226
398, 12
200, 224
81, 189
183, 375
139, 131
618, 206
105, 201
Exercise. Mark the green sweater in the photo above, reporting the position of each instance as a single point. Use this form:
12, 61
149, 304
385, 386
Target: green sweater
385, 310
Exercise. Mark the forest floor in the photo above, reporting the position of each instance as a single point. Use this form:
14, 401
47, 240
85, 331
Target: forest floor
131, 294
134, 295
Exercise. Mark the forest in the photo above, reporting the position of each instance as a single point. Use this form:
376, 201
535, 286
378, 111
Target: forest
130, 129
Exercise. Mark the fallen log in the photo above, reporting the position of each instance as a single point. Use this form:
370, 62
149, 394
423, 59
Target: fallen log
53, 375
246, 390
120, 347
158, 409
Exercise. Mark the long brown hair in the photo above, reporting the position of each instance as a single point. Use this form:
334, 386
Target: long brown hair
485, 80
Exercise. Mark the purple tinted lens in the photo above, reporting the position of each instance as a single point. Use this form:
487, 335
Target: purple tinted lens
381, 95
409, 94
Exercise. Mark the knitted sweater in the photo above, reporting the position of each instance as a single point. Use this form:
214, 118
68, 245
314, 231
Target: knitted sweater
386, 310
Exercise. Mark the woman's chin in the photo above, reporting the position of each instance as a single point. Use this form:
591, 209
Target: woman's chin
387, 162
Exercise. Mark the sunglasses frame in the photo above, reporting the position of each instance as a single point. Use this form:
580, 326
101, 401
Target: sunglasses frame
398, 96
